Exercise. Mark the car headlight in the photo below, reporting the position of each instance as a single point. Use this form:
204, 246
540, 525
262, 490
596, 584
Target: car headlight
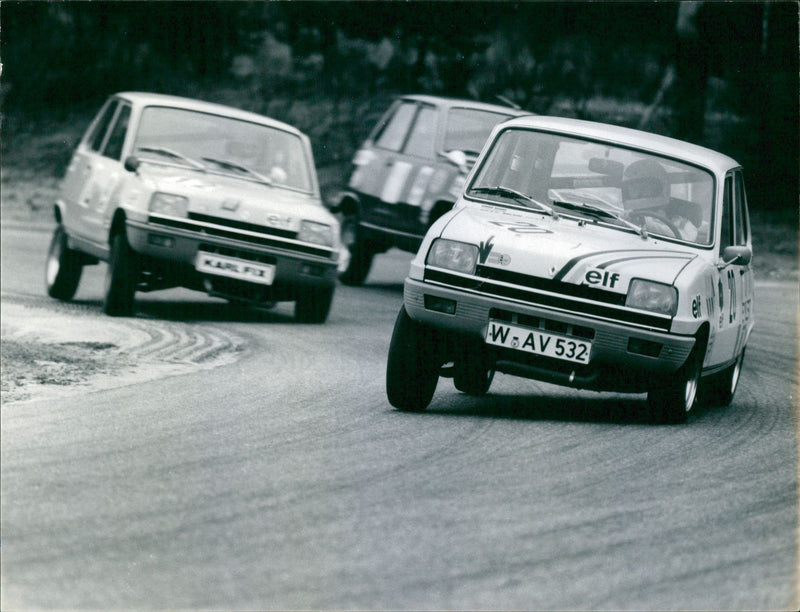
655, 297
169, 204
452, 255
318, 233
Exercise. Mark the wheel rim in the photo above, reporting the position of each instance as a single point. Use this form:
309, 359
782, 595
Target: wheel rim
53, 261
690, 391
737, 370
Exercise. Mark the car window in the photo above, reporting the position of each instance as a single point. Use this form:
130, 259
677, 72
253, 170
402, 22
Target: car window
116, 139
203, 137
740, 210
422, 140
468, 129
727, 214
662, 195
393, 134
98, 133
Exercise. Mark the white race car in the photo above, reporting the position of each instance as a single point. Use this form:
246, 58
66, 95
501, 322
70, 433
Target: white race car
178, 192
586, 255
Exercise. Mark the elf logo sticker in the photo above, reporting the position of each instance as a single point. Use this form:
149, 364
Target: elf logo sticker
601, 278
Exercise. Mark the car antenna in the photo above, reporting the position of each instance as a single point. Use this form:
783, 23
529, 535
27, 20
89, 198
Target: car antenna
508, 102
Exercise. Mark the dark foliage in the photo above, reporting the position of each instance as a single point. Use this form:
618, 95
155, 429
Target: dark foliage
726, 77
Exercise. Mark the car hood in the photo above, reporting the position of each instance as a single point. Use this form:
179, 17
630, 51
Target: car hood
533, 244
237, 199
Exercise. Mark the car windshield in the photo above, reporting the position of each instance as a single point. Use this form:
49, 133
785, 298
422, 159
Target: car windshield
601, 182
224, 145
467, 129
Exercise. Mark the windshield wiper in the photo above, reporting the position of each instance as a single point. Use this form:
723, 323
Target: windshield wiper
224, 163
174, 155
517, 195
602, 213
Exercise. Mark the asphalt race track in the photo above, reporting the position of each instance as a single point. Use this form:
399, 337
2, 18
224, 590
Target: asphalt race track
285, 480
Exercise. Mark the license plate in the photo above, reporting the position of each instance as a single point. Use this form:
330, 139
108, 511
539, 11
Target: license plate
242, 269
537, 342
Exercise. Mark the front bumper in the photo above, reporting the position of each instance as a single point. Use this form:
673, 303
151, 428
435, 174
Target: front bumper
623, 357
171, 246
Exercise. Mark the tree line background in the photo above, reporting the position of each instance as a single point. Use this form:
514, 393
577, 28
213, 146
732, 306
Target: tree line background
721, 74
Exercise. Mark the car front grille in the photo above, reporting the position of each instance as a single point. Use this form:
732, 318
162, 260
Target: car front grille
558, 295
256, 235
242, 225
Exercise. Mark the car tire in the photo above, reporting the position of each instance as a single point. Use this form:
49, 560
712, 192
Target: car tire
361, 253
313, 305
673, 399
121, 278
471, 373
412, 370
717, 391
63, 267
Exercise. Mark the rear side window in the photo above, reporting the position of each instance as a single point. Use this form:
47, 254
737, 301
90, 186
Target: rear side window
726, 234
100, 128
742, 229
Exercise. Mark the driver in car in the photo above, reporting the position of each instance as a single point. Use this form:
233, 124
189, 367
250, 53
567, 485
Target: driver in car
645, 197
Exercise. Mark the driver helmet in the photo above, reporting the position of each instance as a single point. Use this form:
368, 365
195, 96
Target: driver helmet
645, 185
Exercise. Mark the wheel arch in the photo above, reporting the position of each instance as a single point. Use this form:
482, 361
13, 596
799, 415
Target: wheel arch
118, 223
58, 212
349, 204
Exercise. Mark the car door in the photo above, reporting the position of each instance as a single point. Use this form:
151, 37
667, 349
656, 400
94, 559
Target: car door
734, 280
107, 175
409, 170
75, 187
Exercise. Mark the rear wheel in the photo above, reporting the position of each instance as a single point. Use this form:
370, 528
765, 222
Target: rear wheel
121, 278
673, 399
361, 253
718, 390
63, 267
313, 305
412, 370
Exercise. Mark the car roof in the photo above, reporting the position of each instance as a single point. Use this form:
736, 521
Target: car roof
464, 103
637, 139
141, 99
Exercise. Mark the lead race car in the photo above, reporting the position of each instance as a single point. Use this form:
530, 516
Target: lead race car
586, 255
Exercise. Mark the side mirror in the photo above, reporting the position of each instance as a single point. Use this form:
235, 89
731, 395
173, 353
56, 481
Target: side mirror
457, 158
132, 163
736, 255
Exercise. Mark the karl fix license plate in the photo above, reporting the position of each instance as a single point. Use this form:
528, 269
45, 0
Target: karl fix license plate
241, 269
538, 342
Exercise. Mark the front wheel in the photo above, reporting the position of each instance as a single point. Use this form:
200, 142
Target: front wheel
672, 400
718, 390
412, 370
361, 253
63, 267
122, 277
313, 305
